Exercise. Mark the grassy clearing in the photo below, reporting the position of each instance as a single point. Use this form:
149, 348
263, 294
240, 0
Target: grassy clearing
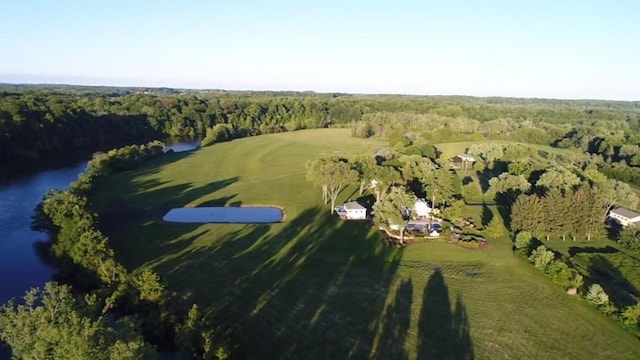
318, 287
454, 148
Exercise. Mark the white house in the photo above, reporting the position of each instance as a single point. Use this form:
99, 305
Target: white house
352, 211
624, 216
421, 208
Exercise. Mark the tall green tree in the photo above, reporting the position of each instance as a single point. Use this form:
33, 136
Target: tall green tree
558, 178
364, 166
506, 188
316, 175
52, 324
528, 213
555, 205
487, 152
384, 177
394, 207
441, 186
333, 175
616, 193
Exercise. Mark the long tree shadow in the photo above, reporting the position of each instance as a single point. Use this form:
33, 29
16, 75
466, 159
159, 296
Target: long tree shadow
483, 177
486, 216
396, 322
443, 334
141, 221
314, 288
621, 291
575, 250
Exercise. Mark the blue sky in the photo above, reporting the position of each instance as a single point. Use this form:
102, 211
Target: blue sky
552, 49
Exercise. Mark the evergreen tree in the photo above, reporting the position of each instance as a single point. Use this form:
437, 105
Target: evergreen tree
555, 207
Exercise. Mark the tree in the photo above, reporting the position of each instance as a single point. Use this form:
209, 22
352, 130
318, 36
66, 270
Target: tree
337, 175
92, 251
196, 339
316, 175
361, 129
630, 238
561, 178
393, 209
440, 185
495, 229
582, 215
523, 240
628, 151
364, 166
148, 285
487, 152
597, 296
555, 207
416, 167
52, 324
528, 213
455, 210
616, 193
384, 177
631, 315
505, 183
541, 257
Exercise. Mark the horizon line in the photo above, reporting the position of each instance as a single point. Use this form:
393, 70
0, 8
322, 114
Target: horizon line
220, 89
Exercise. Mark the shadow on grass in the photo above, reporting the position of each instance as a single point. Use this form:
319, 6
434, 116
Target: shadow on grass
134, 225
443, 334
148, 200
396, 325
486, 216
314, 287
483, 178
615, 284
575, 250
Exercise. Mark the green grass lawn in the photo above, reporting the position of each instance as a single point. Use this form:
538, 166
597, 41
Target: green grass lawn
318, 287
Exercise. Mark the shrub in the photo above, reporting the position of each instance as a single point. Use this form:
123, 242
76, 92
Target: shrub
523, 240
218, 133
597, 296
630, 238
428, 150
631, 315
541, 257
468, 244
560, 274
576, 281
361, 129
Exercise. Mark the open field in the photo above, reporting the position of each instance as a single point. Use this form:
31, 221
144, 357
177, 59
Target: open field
318, 287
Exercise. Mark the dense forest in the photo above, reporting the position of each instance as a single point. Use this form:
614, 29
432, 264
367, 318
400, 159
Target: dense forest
41, 122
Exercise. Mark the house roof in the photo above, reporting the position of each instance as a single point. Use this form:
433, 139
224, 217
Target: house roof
354, 205
466, 157
625, 212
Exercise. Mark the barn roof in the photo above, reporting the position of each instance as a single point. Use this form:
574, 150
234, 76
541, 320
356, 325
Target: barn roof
354, 205
625, 212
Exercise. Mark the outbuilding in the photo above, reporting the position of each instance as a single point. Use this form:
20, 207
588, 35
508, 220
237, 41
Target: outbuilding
352, 211
624, 217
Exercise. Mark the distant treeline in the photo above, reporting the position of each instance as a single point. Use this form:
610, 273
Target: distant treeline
37, 123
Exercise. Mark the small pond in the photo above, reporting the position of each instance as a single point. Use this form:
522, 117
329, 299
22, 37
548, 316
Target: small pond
236, 215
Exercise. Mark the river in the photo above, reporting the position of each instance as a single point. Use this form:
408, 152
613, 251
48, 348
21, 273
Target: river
20, 267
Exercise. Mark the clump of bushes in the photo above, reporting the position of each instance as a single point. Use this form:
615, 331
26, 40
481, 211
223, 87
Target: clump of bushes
467, 241
567, 276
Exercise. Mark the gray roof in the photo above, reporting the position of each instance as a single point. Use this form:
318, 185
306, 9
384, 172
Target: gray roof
466, 157
625, 212
354, 205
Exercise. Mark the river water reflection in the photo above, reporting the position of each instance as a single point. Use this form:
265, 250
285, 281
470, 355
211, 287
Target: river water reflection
20, 267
